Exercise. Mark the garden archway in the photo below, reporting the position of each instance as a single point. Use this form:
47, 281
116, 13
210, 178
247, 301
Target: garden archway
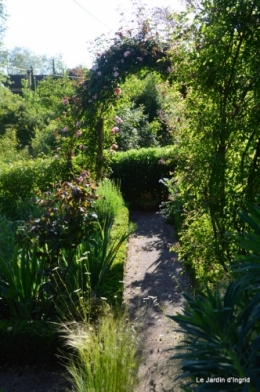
128, 55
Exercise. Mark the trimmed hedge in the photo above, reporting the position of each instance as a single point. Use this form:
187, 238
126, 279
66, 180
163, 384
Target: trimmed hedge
21, 179
140, 172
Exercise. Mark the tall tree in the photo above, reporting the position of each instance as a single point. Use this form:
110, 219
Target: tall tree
19, 59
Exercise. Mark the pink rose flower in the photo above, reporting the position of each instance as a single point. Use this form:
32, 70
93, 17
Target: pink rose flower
119, 120
116, 74
118, 91
140, 58
114, 130
127, 53
65, 129
115, 146
99, 73
78, 133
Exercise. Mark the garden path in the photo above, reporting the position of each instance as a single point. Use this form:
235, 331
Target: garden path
153, 284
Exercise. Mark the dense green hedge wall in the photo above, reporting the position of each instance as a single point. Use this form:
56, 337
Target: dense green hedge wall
140, 172
19, 181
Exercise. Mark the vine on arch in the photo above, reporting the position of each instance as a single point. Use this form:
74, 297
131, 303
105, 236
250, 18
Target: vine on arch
129, 54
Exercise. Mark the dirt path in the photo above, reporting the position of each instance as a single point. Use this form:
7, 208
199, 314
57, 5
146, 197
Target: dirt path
152, 290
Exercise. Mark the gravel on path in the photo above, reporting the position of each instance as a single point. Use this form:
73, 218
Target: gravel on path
153, 283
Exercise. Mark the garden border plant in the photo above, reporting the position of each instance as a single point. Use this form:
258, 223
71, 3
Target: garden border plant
221, 327
111, 288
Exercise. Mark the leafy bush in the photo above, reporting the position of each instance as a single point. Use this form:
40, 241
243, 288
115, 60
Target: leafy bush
222, 326
7, 239
140, 172
19, 181
135, 131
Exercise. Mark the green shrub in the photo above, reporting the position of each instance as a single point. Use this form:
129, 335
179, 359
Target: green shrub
20, 179
140, 172
222, 327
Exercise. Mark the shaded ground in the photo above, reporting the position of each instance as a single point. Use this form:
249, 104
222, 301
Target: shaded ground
29, 379
153, 285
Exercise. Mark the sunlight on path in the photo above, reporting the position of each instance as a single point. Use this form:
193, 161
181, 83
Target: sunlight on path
153, 286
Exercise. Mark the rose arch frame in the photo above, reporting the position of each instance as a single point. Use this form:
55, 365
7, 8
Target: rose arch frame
128, 55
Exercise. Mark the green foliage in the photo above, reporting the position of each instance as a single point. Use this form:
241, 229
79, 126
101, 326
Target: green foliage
67, 218
135, 132
112, 286
7, 238
218, 165
21, 283
16, 115
105, 355
140, 172
144, 113
221, 339
108, 206
93, 260
222, 327
8, 148
19, 180
65, 253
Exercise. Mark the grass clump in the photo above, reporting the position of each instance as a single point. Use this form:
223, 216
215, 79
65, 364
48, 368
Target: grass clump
112, 201
105, 356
